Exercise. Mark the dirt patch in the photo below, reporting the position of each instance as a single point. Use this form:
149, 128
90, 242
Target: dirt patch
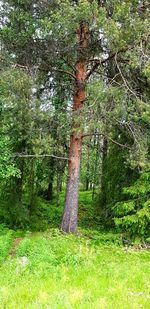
141, 247
15, 245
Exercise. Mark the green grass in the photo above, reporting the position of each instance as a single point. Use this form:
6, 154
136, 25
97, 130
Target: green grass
91, 270
6, 240
52, 270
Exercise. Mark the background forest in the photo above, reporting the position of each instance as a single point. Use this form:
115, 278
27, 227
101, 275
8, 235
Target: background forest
96, 55
74, 154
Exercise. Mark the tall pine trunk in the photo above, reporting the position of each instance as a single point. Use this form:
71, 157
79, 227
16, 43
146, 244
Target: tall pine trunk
69, 220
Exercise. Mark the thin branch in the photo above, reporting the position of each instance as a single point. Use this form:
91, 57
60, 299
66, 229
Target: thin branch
133, 134
65, 72
119, 144
17, 65
21, 155
123, 78
23, 67
99, 62
109, 138
112, 79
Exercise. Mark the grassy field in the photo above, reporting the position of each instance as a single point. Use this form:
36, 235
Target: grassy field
90, 270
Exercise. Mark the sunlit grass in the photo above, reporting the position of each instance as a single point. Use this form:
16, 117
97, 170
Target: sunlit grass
89, 270
52, 270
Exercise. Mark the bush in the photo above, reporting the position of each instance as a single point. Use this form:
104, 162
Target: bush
133, 215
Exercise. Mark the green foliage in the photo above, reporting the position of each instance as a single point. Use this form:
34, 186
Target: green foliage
15, 85
103, 237
133, 215
87, 216
7, 167
117, 174
16, 138
46, 214
121, 27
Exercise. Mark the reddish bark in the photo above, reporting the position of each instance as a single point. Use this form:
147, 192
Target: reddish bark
69, 221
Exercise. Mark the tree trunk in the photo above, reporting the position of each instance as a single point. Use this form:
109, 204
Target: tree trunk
87, 184
104, 156
60, 173
69, 220
21, 165
31, 185
49, 192
52, 167
87, 180
96, 143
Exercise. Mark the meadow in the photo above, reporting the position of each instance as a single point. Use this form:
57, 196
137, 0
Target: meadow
49, 269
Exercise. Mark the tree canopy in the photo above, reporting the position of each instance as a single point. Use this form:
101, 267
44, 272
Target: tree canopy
74, 110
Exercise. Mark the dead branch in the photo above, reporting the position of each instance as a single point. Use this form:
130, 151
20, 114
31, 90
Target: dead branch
21, 155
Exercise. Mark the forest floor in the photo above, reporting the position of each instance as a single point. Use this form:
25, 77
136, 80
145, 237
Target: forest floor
91, 270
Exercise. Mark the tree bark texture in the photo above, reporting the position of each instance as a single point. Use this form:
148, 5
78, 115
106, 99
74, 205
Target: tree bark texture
69, 220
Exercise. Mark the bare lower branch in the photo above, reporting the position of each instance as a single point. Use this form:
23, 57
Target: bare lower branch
21, 155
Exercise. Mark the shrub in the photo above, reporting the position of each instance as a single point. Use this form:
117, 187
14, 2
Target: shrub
133, 215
